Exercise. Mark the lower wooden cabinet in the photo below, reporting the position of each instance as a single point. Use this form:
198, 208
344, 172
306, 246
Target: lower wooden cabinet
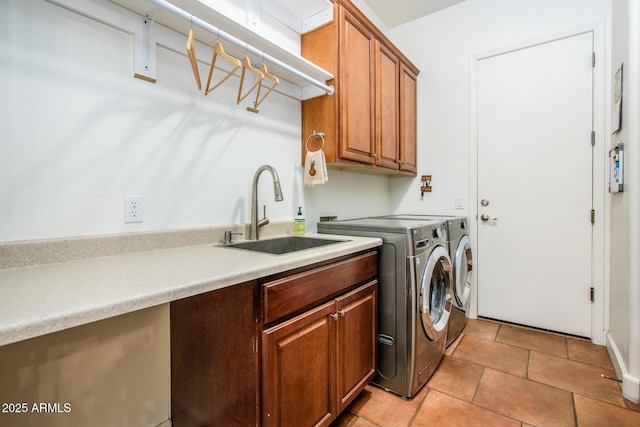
293, 349
356, 342
214, 362
299, 370
315, 364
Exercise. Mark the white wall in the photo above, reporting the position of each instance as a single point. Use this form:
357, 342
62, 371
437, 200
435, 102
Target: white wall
78, 132
441, 45
624, 319
448, 42
371, 15
620, 238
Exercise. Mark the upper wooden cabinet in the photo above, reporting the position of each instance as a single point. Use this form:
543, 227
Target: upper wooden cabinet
370, 121
387, 108
408, 120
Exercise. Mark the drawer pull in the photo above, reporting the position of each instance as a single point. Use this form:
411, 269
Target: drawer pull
340, 313
291, 294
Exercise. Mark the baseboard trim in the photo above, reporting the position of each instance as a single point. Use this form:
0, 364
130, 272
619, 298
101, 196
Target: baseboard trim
630, 385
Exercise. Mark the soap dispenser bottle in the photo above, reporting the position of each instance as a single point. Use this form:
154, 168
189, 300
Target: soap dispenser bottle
299, 224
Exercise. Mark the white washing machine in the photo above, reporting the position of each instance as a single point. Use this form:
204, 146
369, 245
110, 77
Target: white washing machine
462, 259
414, 284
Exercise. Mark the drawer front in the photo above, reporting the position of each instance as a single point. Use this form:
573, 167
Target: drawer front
303, 290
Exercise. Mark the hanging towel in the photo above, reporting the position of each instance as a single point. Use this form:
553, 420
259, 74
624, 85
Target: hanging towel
315, 168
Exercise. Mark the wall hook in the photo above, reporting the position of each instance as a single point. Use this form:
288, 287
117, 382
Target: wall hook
426, 184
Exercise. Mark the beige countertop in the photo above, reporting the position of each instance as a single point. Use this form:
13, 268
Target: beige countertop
40, 299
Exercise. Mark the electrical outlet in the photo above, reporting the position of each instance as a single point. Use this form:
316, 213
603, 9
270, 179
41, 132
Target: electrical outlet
132, 208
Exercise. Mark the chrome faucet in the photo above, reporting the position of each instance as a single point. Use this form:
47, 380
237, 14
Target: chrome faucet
277, 192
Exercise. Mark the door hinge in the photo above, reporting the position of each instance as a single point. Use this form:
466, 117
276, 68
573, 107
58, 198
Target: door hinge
593, 216
592, 291
593, 138
593, 59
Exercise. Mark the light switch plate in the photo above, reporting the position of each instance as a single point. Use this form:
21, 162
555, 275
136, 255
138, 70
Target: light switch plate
459, 203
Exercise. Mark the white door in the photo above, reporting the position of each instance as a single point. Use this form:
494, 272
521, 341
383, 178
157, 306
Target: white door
535, 185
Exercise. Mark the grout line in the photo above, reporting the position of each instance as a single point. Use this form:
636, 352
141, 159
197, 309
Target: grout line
533, 328
573, 360
573, 393
360, 417
526, 378
482, 407
575, 410
495, 339
415, 414
597, 399
475, 392
456, 344
522, 422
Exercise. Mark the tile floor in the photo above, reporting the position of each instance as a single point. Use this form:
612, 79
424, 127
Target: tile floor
501, 375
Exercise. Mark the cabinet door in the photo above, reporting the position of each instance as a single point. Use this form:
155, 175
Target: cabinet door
213, 346
356, 341
387, 108
356, 108
408, 120
299, 370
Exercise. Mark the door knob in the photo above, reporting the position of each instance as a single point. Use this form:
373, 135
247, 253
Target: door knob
484, 202
486, 218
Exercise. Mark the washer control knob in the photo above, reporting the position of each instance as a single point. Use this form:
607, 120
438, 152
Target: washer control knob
437, 233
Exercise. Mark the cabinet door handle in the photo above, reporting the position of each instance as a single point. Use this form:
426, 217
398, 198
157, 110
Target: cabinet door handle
340, 313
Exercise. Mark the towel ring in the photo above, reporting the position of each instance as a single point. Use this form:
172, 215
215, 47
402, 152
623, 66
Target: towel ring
316, 134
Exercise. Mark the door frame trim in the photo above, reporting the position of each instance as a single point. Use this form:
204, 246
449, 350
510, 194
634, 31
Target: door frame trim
601, 205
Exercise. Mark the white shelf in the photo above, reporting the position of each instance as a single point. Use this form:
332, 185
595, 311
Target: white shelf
241, 32
299, 78
299, 15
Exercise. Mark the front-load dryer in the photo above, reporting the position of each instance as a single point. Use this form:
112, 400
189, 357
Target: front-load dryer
461, 256
414, 285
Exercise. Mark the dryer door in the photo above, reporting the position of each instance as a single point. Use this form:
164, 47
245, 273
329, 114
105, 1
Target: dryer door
435, 293
463, 267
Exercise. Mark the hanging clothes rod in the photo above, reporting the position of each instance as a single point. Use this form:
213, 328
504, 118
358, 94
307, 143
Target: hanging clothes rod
228, 37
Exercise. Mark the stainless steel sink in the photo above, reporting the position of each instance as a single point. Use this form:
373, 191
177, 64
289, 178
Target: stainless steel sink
283, 245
